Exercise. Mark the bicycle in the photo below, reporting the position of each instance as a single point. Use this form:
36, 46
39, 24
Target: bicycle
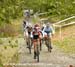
48, 42
40, 44
29, 44
29, 41
36, 49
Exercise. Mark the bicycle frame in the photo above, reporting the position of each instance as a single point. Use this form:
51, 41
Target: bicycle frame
29, 40
48, 42
29, 44
36, 48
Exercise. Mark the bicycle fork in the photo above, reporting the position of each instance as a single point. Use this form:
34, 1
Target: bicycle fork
36, 52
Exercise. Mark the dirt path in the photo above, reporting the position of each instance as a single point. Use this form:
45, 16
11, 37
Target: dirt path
53, 59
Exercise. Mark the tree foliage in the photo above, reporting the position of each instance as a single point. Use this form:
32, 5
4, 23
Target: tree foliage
13, 9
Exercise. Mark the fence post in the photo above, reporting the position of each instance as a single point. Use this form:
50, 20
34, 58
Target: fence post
60, 32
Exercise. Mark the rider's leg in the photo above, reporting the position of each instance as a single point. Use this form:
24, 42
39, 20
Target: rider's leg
44, 36
40, 40
34, 50
27, 38
24, 35
40, 44
31, 39
50, 42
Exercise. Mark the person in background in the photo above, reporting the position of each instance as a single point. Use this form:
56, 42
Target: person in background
27, 24
48, 30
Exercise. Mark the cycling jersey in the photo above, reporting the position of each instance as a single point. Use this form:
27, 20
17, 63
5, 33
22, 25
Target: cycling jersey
48, 31
36, 34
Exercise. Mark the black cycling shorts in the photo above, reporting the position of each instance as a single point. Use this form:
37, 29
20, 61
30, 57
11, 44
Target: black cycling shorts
35, 36
29, 32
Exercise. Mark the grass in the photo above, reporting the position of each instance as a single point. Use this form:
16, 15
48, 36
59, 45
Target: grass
8, 50
1, 65
1, 42
67, 45
7, 53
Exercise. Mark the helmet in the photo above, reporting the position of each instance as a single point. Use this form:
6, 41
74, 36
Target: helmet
48, 24
36, 27
26, 11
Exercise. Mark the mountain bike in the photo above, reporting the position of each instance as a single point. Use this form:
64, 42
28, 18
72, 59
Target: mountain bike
36, 49
29, 41
29, 44
48, 42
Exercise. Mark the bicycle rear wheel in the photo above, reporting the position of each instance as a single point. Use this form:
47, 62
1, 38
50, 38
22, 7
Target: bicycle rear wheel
48, 44
29, 45
40, 45
37, 53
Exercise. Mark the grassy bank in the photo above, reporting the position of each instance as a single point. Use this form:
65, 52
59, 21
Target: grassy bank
12, 29
8, 48
67, 45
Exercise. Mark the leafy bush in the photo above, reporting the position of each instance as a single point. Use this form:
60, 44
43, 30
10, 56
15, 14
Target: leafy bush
13, 9
8, 30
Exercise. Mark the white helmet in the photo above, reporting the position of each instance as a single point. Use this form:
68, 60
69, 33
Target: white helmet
26, 11
48, 24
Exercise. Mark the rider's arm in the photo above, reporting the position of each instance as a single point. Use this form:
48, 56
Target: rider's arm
53, 31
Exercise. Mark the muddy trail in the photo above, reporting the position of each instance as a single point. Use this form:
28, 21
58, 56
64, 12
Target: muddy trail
54, 59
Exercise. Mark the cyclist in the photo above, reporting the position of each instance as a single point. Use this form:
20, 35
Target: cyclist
48, 30
27, 25
36, 36
28, 32
25, 20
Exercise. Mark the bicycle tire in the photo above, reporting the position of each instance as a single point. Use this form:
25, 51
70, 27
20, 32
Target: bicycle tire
29, 45
37, 53
48, 45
